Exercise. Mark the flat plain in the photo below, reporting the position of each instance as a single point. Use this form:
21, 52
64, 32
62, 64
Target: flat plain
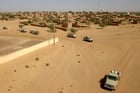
72, 65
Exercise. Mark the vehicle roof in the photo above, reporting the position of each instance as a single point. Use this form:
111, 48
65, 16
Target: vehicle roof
113, 74
88, 36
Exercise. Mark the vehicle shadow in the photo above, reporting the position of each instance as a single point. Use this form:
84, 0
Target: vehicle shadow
102, 82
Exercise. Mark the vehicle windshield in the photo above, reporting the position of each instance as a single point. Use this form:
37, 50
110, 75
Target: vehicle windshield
112, 77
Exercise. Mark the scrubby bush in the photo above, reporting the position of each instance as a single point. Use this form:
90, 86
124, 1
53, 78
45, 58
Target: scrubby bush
37, 58
35, 20
95, 20
24, 22
42, 24
5, 27
47, 64
73, 30
52, 27
102, 25
21, 26
26, 66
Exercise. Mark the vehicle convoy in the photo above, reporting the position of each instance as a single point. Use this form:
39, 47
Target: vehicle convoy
88, 39
111, 80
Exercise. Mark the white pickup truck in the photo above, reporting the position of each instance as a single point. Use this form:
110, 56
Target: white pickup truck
112, 79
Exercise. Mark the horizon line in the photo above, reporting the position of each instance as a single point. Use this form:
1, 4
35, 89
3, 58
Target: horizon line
64, 11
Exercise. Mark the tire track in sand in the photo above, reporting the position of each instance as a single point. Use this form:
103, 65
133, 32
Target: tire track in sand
125, 60
126, 56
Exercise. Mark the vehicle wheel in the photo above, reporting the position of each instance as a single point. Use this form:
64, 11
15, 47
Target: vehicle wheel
113, 89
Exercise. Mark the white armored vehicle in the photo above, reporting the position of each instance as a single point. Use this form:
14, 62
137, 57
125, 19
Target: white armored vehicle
112, 79
72, 35
88, 39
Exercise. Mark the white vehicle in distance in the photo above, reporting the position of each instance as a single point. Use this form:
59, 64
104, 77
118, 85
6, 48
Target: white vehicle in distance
88, 39
71, 35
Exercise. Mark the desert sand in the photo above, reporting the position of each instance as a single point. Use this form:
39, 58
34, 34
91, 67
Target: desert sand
72, 65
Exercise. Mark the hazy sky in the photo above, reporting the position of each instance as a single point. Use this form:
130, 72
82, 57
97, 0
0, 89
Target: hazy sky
67, 5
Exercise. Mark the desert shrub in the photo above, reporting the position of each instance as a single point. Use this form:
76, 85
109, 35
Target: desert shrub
95, 20
42, 24
15, 70
11, 16
52, 27
79, 61
73, 30
21, 26
103, 21
9, 89
109, 22
78, 55
106, 21
26, 66
47, 64
102, 25
60, 92
29, 21
5, 27
35, 20
24, 22
51, 19
37, 58
78, 19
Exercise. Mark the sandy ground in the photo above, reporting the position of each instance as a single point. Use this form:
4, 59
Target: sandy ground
75, 66
11, 44
18, 40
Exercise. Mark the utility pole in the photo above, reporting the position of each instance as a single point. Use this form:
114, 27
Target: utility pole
98, 6
54, 30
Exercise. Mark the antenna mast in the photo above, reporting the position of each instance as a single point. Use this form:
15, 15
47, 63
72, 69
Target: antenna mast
98, 6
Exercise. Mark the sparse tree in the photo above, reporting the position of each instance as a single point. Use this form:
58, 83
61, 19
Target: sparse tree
42, 24
21, 26
52, 28
95, 20
35, 19
78, 19
51, 19
73, 30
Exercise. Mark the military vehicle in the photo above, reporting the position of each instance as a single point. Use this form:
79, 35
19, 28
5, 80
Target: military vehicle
71, 35
111, 79
22, 30
88, 39
34, 32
